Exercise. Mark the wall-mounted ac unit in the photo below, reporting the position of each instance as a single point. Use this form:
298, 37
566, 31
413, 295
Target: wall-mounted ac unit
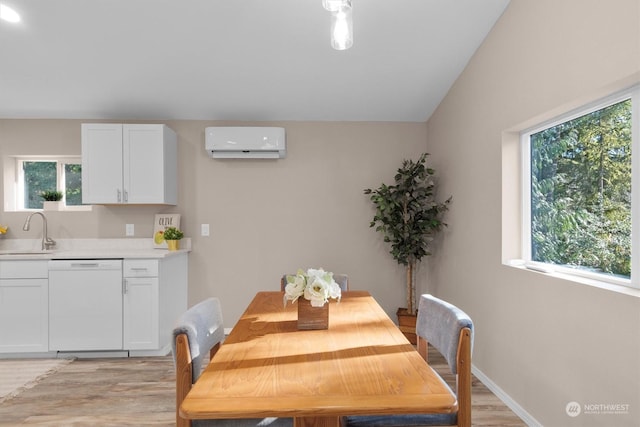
245, 142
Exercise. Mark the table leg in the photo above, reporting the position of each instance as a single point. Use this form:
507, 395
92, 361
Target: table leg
318, 422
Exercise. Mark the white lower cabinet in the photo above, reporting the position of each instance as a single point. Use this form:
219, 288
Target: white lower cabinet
114, 311
24, 316
141, 304
155, 294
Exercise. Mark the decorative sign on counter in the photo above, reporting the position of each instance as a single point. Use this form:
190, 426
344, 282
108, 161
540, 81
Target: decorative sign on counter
161, 223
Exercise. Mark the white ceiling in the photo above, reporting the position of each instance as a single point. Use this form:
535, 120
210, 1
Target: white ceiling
235, 59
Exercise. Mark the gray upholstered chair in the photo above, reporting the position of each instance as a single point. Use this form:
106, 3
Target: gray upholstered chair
450, 331
341, 279
198, 332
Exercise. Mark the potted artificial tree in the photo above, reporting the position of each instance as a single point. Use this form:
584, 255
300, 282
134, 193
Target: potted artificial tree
172, 236
408, 216
52, 200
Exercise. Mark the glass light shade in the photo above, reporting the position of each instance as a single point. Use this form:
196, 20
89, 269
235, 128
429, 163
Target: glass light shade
335, 5
342, 29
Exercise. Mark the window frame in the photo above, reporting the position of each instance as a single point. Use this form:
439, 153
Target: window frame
632, 93
60, 161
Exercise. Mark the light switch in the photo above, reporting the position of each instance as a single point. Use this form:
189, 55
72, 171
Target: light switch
204, 230
129, 230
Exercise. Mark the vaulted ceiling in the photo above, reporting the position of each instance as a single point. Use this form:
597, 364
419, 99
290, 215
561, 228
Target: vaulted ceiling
235, 59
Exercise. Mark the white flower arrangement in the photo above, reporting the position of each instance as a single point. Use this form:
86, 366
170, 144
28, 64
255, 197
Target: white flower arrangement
315, 285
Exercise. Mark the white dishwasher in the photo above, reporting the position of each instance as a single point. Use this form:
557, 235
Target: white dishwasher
85, 304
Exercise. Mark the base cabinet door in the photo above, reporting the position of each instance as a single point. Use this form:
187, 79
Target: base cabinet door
141, 313
24, 315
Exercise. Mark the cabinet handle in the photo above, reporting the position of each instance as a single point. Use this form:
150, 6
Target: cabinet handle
125, 286
139, 268
119, 196
126, 196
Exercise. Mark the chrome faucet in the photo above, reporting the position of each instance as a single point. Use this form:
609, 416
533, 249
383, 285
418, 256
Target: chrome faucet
47, 242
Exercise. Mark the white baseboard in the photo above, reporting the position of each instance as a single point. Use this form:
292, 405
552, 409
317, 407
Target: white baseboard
506, 399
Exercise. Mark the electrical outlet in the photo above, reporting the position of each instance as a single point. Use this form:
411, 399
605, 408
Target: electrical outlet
129, 230
204, 230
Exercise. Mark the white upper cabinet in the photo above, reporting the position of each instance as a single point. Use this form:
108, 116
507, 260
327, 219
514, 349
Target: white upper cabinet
123, 163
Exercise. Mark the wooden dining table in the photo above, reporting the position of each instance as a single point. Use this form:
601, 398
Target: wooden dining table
362, 364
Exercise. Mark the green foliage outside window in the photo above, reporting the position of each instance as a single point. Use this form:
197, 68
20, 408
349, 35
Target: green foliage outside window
38, 177
581, 192
42, 176
73, 184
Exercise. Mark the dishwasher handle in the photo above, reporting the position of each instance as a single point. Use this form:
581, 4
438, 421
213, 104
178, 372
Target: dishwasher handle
85, 264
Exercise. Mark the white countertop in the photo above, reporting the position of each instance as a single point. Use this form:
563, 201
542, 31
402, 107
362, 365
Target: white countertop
13, 249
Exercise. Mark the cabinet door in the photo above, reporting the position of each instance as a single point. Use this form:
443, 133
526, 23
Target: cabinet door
144, 160
102, 163
141, 313
24, 315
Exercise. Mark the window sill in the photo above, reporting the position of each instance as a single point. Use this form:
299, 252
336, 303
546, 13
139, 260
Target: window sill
541, 269
83, 208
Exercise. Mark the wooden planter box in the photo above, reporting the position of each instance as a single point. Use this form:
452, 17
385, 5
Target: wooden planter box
312, 317
407, 324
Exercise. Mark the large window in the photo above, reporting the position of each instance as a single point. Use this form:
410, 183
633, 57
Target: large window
578, 206
37, 175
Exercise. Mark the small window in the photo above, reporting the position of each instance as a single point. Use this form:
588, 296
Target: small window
578, 185
37, 175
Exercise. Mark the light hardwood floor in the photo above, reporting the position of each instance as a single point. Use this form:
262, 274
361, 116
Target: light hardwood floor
140, 391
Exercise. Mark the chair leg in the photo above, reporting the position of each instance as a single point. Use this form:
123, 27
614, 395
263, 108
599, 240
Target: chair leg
423, 347
464, 378
184, 376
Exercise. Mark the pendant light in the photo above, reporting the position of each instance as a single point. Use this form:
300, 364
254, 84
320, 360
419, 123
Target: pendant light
341, 23
333, 5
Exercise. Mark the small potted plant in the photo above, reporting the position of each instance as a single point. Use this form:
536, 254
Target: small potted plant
172, 236
52, 200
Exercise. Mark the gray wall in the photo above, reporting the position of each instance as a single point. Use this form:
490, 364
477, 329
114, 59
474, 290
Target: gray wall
543, 340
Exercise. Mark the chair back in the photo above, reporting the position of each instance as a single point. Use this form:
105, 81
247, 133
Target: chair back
450, 331
203, 327
341, 279
197, 332
440, 324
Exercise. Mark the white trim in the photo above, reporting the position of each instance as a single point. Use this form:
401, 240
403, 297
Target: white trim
505, 398
635, 186
584, 110
14, 200
548, 269
601, 280
525, 162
